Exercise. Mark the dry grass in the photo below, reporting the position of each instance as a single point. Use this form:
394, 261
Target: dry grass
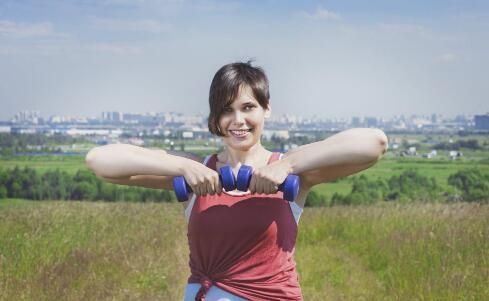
126, 251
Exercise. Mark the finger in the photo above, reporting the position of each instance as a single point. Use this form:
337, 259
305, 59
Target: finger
217, 184
196, 189
218, 187
209, 186
272, 188
252, 186
259, 185
266, 188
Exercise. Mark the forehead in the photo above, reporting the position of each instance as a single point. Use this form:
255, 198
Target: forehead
245, 94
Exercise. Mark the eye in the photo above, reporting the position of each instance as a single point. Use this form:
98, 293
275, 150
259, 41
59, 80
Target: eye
249, 107
227, 110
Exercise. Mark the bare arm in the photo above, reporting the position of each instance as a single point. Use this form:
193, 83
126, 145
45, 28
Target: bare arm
116, 161
340, 155
131, 165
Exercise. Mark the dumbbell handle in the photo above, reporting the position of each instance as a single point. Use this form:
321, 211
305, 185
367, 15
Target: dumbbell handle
182, 189
290, 187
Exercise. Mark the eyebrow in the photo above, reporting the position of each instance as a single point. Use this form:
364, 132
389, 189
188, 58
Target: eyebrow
245, 104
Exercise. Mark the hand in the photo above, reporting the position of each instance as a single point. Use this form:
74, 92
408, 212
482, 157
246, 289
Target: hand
267, 178
202, 179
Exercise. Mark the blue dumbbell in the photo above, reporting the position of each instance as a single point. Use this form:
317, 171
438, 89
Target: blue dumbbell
182, 189
290, 187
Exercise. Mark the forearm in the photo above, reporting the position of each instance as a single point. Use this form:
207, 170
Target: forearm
351, 147
125, 160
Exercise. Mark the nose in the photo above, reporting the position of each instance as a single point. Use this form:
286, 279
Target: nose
238, 117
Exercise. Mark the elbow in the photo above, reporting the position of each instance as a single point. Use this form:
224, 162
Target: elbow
375, 144
382, 142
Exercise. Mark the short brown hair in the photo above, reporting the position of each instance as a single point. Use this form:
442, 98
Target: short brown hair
225, 88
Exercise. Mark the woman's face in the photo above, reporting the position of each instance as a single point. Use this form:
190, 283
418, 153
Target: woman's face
242, 122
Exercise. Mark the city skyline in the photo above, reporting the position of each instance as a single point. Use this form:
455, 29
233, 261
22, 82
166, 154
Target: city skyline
334, 59
29, 114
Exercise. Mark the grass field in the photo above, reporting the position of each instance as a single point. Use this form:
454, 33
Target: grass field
124, 251
70, 164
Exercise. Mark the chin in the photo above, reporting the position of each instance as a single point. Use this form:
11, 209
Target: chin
241, 147
244, 146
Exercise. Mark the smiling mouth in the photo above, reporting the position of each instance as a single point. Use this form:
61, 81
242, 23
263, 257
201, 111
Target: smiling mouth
240, 133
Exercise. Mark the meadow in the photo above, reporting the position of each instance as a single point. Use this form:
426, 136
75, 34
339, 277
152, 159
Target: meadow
55, 250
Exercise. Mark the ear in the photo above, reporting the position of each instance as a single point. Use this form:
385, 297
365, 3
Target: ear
268, 111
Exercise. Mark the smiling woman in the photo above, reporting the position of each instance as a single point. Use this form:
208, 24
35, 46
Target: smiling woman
242, 243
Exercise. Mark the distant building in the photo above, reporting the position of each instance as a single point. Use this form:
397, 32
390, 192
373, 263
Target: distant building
280, 134
356, 122
434, 119
5, 128
187, 135
430, 155
371, 122
482, 122
412, 151
112, 116
27, 117
455, 154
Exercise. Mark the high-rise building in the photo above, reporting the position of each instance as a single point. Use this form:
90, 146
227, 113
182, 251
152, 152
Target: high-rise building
482, 122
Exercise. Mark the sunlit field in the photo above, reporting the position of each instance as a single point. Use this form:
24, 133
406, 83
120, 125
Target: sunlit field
54, 250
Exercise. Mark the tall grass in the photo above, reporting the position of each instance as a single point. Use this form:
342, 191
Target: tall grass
390, 252
126, 251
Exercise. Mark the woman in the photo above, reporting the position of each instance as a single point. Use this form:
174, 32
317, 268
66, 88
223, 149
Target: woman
241, 243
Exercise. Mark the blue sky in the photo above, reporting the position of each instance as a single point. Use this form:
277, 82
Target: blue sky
324, 58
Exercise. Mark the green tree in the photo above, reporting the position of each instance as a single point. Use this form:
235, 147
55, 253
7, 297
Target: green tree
314, 199
473, 184
84, 191
410, 185
364, 191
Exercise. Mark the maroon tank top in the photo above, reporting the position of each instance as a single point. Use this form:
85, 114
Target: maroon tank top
244, 245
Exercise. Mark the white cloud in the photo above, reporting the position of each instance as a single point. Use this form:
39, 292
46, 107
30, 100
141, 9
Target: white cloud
23, 30
323, 14
144, 25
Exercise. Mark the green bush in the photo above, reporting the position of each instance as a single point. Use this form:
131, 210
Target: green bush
472, 183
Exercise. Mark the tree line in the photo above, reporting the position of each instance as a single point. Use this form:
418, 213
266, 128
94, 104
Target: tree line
469, 185
11, 144
28, 183
472, 144
465, 185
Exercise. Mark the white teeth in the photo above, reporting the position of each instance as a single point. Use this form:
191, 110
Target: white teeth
239, 132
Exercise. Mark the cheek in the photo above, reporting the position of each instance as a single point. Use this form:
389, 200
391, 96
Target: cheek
223, 121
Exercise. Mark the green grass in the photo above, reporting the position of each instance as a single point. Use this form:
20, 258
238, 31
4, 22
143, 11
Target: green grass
124, 251
388, 167
69, 164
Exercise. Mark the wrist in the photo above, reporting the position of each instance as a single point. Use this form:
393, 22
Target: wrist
184, 164
287, 161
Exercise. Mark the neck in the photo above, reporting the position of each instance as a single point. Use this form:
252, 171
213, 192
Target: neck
251, 156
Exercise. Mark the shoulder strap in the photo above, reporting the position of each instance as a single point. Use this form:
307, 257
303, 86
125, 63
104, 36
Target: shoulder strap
274, 157
211, 163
